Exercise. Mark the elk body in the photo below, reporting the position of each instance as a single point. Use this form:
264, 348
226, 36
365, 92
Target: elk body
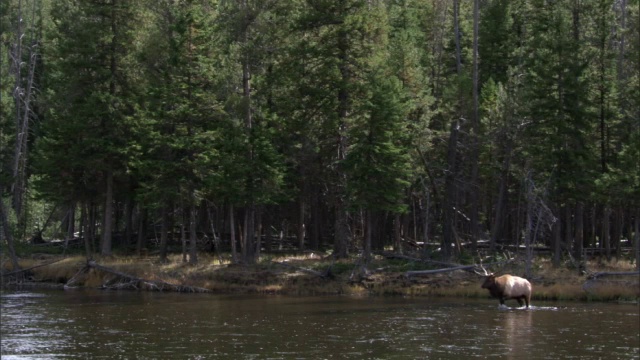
507, 287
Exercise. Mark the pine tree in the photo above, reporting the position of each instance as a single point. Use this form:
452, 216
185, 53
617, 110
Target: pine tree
248, 30
377, 165
558, 137
496, 41
20, 86
181, 110
86, 140
334, 59
410, 63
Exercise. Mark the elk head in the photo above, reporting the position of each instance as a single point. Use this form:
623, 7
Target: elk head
490, 278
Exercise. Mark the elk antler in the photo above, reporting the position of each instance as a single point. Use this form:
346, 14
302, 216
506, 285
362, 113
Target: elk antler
486, 273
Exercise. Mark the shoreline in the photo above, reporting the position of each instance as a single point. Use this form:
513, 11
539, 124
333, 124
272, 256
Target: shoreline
309, 277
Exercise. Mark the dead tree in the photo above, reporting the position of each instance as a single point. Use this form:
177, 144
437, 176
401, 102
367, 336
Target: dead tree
23, 55
7, 234
538, 213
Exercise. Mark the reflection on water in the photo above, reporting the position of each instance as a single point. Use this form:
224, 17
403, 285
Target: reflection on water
95, 324
517, 328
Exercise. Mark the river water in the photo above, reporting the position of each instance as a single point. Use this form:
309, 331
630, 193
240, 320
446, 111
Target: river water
93, 324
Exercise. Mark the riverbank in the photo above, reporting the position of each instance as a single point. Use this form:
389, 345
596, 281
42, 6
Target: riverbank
313, 275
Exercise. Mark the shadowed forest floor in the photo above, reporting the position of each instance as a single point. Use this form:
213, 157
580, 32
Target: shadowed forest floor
313, 275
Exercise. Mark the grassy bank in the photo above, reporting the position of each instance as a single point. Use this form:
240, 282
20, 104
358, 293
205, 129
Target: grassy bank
294, 275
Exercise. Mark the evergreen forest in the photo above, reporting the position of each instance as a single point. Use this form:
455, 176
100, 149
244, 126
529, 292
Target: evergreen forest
351, 126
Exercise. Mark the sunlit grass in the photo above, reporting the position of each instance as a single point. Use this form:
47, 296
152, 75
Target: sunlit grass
558, 292
384, 277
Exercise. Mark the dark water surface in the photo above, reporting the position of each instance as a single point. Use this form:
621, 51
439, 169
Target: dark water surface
41, 324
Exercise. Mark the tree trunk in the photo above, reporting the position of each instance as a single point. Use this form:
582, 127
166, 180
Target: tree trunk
128, 228
23, 113
593, 233
529, 232
425, 234
475, 147
249, 248
366, 254
93, 215
397, 237
450, 193
557, 242
636, 238
193, 235
17, 67
71, 220
617, 231
258, 237
567, 224
315, 237
232, 232
183, 237
164, 233
341, 229
341, 226
8, 236
142, 230
301, 224
498, 224
71, 225
108, 217
606, 236
579, 232
82, 221
414, 216
267, 220
85, 217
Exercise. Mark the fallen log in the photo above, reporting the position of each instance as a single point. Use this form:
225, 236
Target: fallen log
74, 278
158, 285
435, 271
595, 281
453, 267
31, 268
325, 274
620, 273
389, 255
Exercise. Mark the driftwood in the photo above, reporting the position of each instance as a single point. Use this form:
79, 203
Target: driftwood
389, 255
453, 267
435, 271
158, 285
621, 273
593, 281
75, 277
31, 268
325, 274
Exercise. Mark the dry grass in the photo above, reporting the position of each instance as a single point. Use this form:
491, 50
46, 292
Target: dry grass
57, 272
549, 283
562, 283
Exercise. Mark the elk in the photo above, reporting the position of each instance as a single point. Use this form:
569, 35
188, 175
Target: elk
507, 287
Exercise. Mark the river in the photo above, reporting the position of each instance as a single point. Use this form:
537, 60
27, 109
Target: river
93, 324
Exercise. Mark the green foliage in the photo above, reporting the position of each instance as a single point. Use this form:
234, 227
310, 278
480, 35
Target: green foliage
333, 105
497, 40
377, 165
557, 98
181, 116
90, 98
